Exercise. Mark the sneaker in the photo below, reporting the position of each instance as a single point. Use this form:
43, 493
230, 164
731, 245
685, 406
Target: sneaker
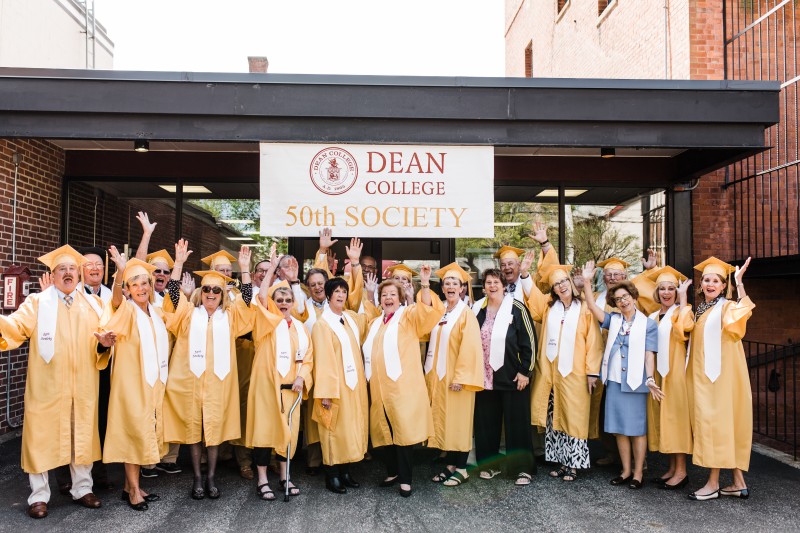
149, 472
169, 468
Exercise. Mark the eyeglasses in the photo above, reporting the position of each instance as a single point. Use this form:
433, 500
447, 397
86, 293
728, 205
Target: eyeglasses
159, 271
93, 266
561, 282
261, 271
622, 298
369, 267
284, 301
614, 275
215, 290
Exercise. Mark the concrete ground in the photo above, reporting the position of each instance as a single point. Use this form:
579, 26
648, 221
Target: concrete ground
589, 504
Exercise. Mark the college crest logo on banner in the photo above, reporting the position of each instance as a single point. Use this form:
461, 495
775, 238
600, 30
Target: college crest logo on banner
377, 190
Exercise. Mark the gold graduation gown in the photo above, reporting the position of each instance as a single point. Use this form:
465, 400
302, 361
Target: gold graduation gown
722, 412
402, 404
310, 429
347, 442
668, 427
205, 408
135, 431
453, 411
571, 398
268, 405
71, 379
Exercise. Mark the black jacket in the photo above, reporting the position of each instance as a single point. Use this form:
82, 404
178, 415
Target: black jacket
520, 346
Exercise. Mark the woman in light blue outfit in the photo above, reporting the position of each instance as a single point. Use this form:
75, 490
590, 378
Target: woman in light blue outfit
627, 373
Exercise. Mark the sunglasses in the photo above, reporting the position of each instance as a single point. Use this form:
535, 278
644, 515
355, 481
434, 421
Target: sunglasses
284, 301
159, 271
215, 290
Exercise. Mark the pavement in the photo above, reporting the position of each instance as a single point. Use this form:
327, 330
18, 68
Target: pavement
588, 504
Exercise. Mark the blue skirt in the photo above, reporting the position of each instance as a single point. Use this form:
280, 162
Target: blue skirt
626, 412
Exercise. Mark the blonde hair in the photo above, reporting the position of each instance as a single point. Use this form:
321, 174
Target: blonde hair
197, 298
152, 297
658, 286
700, 285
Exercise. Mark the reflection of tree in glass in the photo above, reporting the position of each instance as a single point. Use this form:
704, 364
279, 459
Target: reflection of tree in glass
597, 238
242, 210
515, 219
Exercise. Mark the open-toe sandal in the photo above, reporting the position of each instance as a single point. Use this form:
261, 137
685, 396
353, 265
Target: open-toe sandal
523, 479
455, 479
266, 495
560, 472
570, 475
293, 491
442, 476
489, 474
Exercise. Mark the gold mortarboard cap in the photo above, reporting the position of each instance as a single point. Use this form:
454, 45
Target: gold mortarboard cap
163, 255
282, 284
402, 269
136, 267
509, 251
712, 265
666, 273
220, 258
212, 277
453, 270
551, 274
64, 254
613, 263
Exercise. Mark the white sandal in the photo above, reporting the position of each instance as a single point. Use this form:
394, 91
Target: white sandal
489, 474
523, 479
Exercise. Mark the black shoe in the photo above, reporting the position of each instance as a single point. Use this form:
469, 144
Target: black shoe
334, 485
350, 482
619, 480
149, 498
197, 493
635, 484
659, 480
405, 493
141, 506
679, 485
65, 488
169, 468
739, 493
149, 472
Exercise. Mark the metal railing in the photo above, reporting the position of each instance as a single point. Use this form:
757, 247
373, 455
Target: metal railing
761, 44
774, 380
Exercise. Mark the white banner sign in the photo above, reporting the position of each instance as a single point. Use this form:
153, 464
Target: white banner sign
377, 190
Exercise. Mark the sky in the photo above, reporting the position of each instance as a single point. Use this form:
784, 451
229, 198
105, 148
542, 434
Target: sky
405, 37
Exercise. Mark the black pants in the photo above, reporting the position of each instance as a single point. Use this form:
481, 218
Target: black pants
512, 409
261, 456
332, 471
459, 459
399, 461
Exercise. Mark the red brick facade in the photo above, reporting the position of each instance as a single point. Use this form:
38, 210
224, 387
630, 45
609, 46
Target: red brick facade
38, 223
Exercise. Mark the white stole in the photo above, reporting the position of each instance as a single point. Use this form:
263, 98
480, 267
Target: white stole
504, 317
46, 323
600, 301
442, 342
283, 346
391, 349
312, 313
636, 345
348, 361
561, 339
92, 302
221, 338
712, 341
154, 348
158, 300
664, 334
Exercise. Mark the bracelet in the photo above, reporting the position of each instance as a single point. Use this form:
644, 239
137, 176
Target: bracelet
545, 242
428, 286
525, 277
649, 380
120, 284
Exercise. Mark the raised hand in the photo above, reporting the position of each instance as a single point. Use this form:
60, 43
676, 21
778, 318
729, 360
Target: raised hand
187, 284
182, 251
425, 274
683, 289
244, 258
371, 282
740, 272
45, 281
649, 261
527, 262
354, 250
117, 258
538, 231
106, 338
588, 271
326, 240
147, 227
273, 255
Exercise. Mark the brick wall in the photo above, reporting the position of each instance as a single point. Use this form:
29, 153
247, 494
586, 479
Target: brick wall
38, 223
626, 41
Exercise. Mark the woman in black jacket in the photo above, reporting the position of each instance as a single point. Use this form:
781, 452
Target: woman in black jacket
507, 338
